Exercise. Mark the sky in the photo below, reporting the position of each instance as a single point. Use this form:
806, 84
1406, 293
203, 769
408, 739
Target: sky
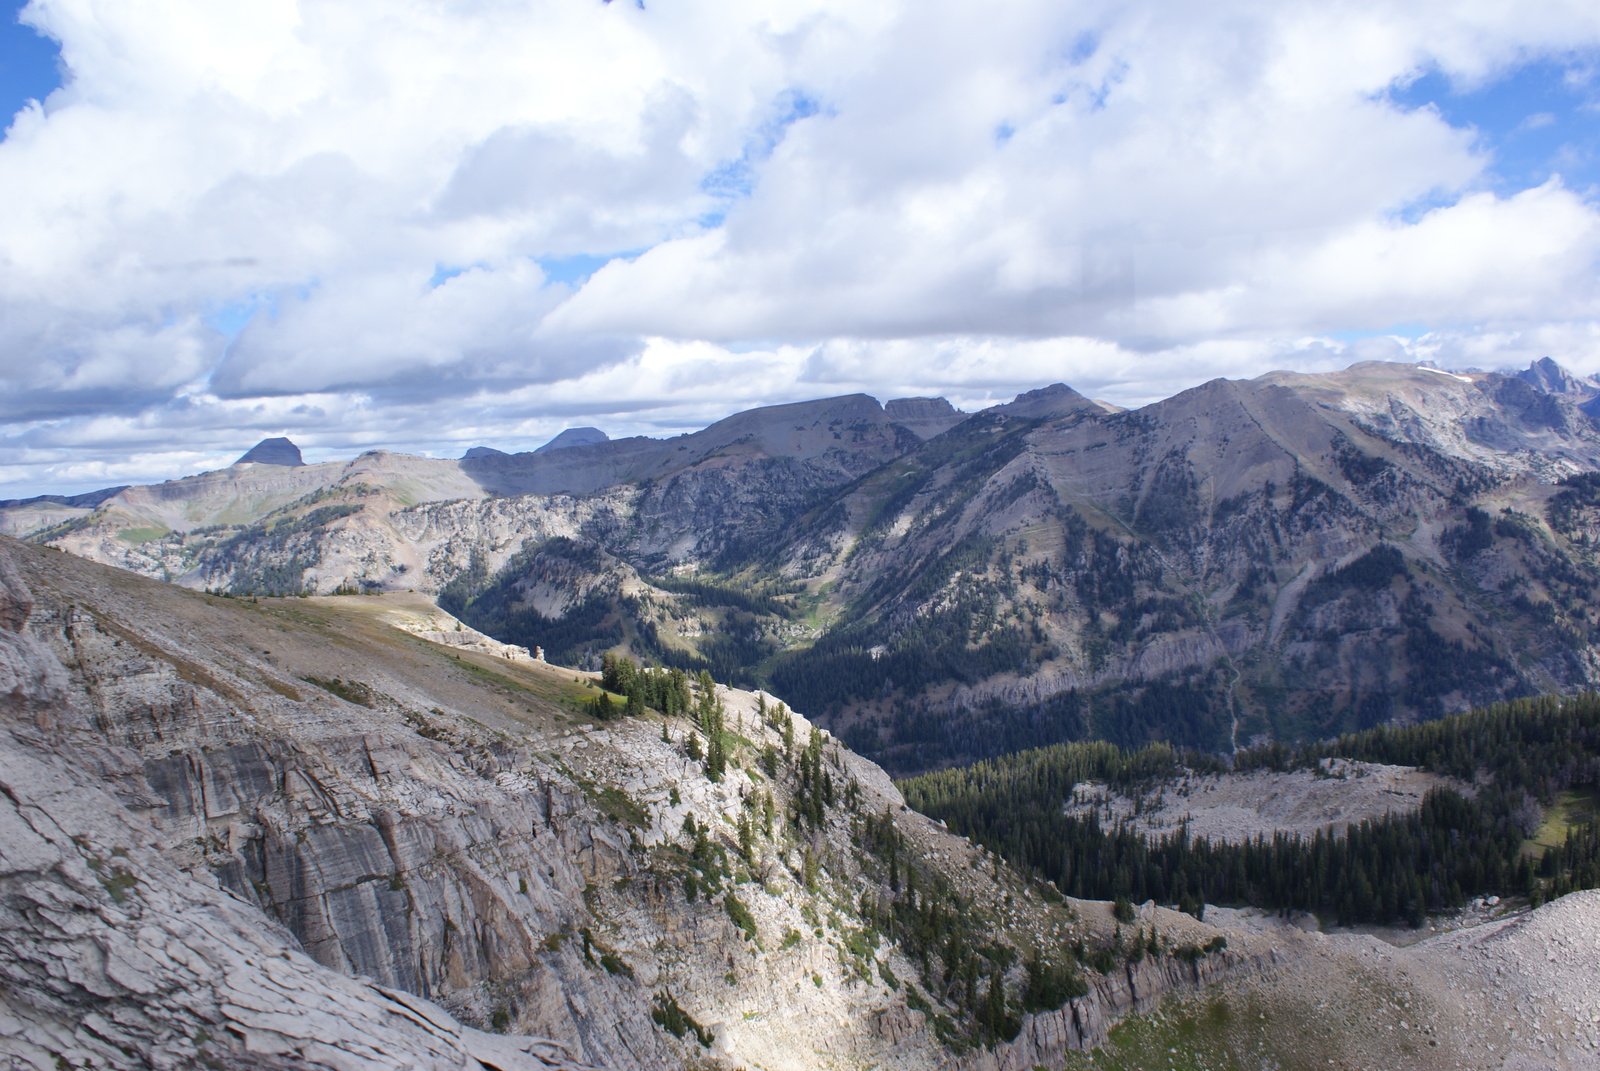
425, 226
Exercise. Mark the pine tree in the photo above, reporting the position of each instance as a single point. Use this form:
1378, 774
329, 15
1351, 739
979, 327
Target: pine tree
747, 845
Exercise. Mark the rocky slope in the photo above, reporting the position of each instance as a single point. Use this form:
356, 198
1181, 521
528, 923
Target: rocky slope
228, 818
1510, 991
1287, 557
293, 832
119, 952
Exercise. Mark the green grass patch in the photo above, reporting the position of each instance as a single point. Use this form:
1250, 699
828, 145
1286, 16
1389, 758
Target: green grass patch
572, 697
355, 692
139, 536
1573, 809
1214, 1033
118, 883
614, 803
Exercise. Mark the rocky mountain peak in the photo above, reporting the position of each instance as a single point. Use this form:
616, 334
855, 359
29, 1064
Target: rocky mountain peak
903, 409
278, 451
1057, 399
795, 429
482, 451
1551, 378
575, 437
926, 417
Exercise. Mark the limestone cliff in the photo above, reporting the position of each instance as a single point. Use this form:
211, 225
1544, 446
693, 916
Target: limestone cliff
114, 957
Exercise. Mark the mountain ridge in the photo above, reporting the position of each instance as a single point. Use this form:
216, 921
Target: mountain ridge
1285, 557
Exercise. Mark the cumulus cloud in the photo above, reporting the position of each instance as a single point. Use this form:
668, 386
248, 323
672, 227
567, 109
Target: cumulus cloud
787, 200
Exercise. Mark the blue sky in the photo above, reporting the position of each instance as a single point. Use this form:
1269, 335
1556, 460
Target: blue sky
1539, 119
28, 62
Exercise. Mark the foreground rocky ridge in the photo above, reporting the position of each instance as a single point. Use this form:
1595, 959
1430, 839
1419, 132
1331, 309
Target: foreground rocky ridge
225, 819
283, 833
115, 957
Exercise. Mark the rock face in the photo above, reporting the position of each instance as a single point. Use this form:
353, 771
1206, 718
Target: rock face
279, 451
1083, 1025
925, 416
114, 957
1057, 399
1551, 378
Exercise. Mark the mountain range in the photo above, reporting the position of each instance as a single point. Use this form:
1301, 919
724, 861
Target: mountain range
1282, 558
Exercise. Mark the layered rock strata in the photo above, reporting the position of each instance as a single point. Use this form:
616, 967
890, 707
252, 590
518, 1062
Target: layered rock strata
114, 957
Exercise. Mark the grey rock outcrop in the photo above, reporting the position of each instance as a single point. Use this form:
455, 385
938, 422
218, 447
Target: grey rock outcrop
1551, 378
114, 957
1085, 1023
1057, 399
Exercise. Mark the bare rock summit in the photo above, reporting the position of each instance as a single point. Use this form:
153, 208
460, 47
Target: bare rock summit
1551, 378
575, 437
926, 417
278, 451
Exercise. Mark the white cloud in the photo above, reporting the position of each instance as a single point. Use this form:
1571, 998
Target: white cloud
897, 197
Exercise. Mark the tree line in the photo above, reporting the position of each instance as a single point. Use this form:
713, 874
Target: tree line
1520, 754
